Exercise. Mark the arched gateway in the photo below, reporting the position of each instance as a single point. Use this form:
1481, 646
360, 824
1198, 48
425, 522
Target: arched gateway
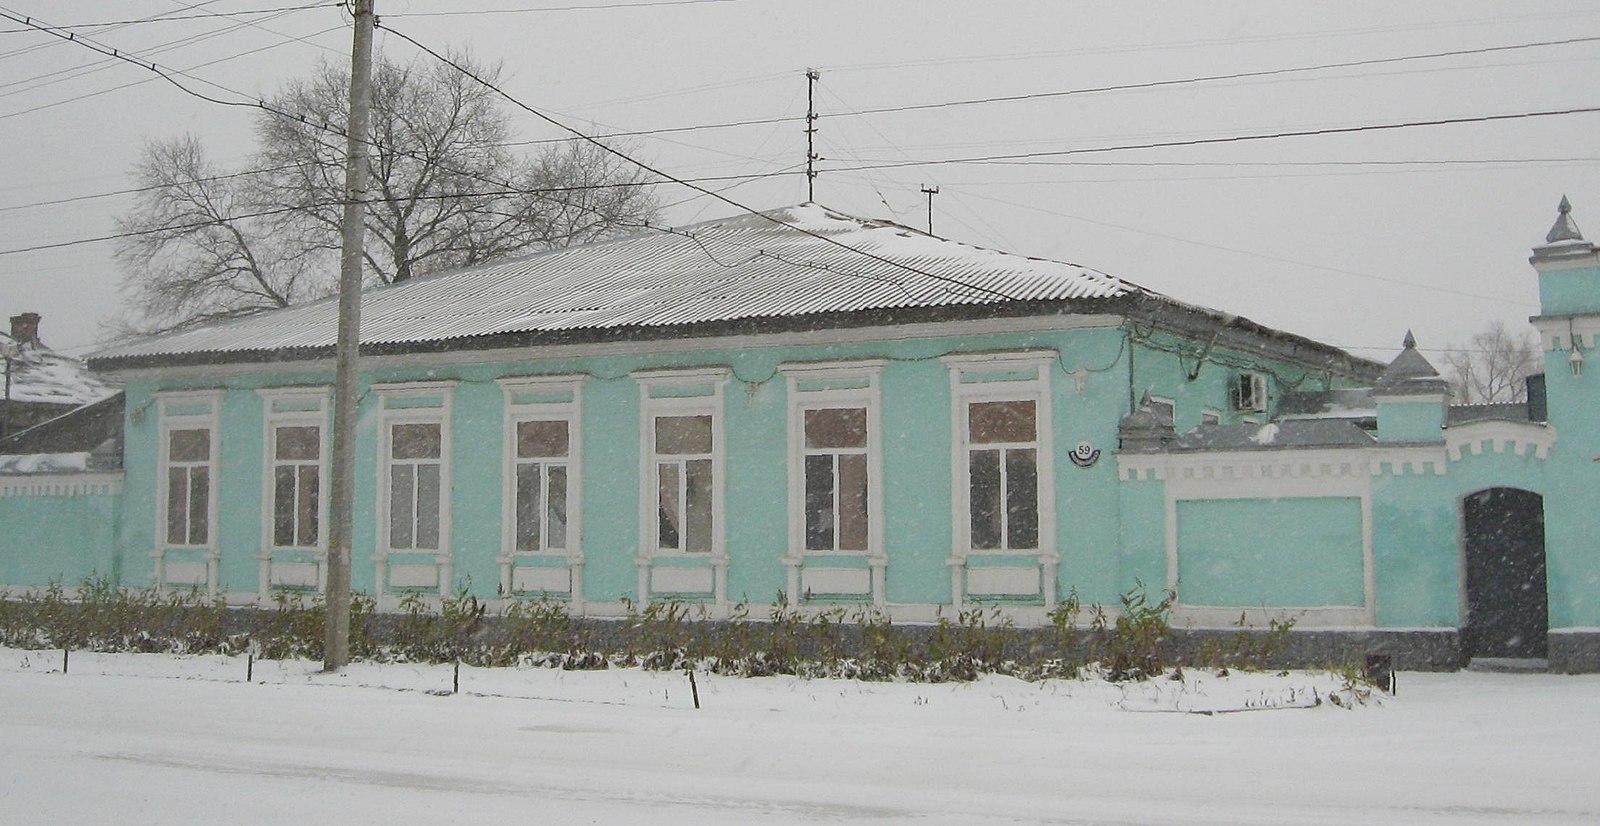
1506, 602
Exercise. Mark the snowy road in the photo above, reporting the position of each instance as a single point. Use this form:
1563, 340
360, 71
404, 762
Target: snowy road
154, 739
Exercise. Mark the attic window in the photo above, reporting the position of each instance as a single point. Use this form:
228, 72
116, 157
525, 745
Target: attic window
1248, 393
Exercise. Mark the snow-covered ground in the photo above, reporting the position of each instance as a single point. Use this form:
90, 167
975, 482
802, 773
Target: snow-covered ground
165, 739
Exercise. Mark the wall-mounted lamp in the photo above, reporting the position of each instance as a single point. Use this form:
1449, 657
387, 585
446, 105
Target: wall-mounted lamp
1575, 361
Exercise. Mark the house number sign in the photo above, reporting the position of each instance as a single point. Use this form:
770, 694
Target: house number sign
1085, 455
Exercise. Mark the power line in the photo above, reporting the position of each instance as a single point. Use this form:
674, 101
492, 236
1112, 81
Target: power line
1170, 82
75, 72
136, 190
1157, 84
254, 103
163, 73
544, 9
1189, 44
1264, 256
652, 170
37, 46
168, 19
446, 196
1299, 133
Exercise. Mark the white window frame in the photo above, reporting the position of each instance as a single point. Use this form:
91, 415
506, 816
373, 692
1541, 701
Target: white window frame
694, 392
868, 396
170, 406
998, 377
515, 413
272, 419
391, 397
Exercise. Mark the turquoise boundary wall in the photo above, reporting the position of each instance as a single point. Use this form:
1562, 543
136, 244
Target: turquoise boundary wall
60, 537
1298, 551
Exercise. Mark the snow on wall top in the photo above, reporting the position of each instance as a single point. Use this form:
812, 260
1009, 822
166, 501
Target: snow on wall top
41, 375
44, 463
796, 261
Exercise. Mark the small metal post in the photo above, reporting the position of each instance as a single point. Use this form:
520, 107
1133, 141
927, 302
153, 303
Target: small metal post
455, 683
249, 668
693, 689
64, 653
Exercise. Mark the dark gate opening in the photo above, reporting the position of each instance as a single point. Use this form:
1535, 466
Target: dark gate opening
1508, 613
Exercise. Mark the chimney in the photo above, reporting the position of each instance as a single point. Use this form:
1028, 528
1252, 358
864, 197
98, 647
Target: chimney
25, 328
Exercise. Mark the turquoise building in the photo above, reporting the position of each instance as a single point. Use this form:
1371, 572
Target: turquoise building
808, 408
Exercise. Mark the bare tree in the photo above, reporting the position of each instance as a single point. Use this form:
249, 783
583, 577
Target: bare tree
200, 251
1493, 366
447, 191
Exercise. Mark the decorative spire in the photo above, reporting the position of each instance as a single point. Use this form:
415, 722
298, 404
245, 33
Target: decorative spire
1564, 229
1410, 373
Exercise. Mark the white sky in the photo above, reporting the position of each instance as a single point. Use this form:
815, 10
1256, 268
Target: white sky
1285, 231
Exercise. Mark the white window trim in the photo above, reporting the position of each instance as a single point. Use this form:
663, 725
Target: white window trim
1037, 389
166, 403
516, 412
444, 393
799, 401
271, 420
652, 406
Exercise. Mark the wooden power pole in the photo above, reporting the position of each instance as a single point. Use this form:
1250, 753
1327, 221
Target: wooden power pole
336, 653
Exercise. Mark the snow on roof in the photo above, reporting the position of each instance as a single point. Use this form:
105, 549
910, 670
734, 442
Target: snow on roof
796, 261
1301, 433
41, 375
1344, 403
23, 463
1501, 411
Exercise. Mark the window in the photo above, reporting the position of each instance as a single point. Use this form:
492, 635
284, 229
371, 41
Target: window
188, 465
296, 486
1002, 460
836, 547
684, 473
836, 487
1003, 474
681, 475
189, 486
1247, 393
415, 460
542, 501
541, 473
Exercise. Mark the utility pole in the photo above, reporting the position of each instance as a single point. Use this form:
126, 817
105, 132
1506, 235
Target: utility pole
930, 191
336, 644
811, 131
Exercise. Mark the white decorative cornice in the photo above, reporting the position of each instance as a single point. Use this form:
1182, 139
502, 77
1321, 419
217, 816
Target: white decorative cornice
1253, 465
1477, 438
1418, 460
1241, 464
1557, 332
62, 484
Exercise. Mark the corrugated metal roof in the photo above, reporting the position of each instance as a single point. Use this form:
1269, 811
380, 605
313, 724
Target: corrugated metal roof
749, 267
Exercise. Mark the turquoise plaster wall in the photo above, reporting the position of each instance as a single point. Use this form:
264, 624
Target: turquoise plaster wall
57, 538
1270, 552
1572, 491
1143, 556
1108, 534
915, 420
1569, 291
1416, 554
1410, 420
